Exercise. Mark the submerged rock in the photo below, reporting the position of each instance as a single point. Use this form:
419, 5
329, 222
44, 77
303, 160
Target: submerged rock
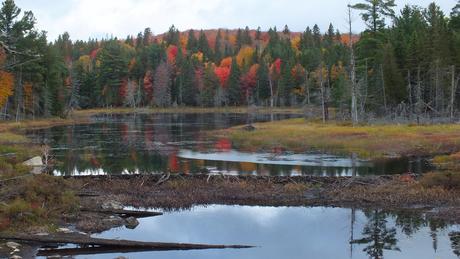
131, 223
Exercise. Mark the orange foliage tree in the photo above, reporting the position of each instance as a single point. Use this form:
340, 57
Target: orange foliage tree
6, 87
226, 62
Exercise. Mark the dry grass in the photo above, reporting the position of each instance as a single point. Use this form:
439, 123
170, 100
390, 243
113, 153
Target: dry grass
9, 126
365, 141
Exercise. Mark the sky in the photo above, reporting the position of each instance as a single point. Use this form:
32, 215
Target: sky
85, 19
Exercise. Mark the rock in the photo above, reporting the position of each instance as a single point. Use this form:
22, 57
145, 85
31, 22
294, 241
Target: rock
112, 205
112, 222
37, 165
35, 161
131, 223
249, 128
15, 257
65, 230
12, 245
121, 257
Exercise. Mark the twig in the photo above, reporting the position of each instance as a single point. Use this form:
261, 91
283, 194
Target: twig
164, 178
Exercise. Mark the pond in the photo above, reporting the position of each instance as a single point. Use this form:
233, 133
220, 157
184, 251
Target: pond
156, 143
294, 232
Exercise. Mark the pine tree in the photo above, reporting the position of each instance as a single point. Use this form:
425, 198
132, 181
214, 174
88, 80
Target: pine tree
375, 12
234, 86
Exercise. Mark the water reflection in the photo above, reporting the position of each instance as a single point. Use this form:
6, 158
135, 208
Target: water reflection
145, 144
296, 232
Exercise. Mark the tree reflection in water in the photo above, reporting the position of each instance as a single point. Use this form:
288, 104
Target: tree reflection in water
377, 236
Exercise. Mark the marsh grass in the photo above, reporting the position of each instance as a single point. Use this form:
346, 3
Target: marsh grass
365, 141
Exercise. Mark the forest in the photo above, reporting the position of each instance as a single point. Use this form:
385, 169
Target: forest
405, 64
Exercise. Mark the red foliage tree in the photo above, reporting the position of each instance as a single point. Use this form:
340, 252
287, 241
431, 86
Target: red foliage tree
172, 54
223, 73
276, 67
249, 80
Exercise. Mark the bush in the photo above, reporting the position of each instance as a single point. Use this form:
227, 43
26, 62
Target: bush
447, 180
39, 200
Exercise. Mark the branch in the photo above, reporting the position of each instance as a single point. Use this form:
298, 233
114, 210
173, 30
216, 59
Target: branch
8, 49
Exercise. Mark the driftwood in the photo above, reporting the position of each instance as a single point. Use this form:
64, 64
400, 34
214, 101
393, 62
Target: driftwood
124, 213
104, 245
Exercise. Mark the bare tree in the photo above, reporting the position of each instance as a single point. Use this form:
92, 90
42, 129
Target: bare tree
354, 106
162, 85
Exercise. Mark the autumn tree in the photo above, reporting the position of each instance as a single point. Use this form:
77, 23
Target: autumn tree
6, 87
249, 82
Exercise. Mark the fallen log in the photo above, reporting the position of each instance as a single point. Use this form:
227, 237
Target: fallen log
124, 213
110, 244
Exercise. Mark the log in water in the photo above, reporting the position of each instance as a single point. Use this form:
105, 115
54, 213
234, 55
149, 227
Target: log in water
97, 245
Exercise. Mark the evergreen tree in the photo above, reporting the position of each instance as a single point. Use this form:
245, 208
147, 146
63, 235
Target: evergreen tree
234, 85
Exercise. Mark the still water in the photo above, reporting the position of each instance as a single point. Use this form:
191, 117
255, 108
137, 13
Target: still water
294, 232
146, 144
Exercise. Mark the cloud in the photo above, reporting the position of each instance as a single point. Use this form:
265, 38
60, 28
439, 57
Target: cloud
102, 18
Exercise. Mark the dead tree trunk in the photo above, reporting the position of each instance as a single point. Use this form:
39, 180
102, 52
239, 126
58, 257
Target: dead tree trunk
452, 94
383, 89
409, 91
307, 89
354, 106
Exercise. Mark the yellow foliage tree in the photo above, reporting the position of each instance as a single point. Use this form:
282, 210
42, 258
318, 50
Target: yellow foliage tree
6, 87
85, 62
244, 57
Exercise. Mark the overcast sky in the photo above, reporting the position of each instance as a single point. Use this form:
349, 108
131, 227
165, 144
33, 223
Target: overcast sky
102, 18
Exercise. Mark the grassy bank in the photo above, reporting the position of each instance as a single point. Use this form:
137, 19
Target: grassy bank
27, 200
366, 141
